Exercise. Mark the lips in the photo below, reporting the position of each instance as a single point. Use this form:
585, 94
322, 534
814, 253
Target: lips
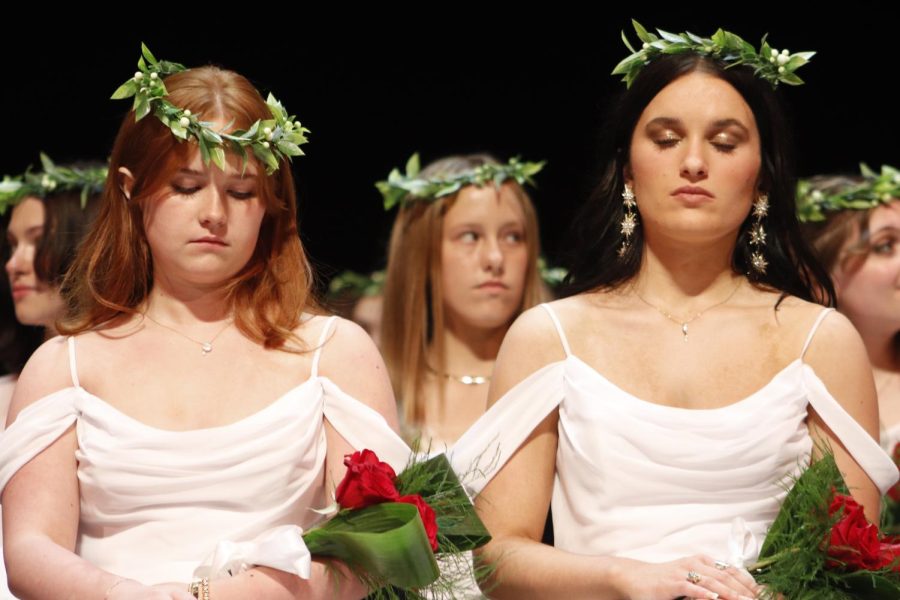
20, 291
693, 195
493, 285
210, 240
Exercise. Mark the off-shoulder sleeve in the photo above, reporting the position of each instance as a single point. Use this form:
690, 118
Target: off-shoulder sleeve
363, 427
35, 428
483, 450
864, 450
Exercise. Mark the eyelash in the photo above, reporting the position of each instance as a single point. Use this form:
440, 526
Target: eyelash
721, 147
518, 237
193, 190
884, 247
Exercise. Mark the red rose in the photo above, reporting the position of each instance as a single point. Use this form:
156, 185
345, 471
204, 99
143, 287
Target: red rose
854, 542
427, 515
890, 551
368, 481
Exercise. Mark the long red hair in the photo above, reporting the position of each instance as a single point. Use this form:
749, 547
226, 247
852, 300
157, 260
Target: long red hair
112, 273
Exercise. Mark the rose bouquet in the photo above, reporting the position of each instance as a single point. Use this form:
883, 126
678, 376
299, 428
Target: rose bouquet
821, 546
388, 528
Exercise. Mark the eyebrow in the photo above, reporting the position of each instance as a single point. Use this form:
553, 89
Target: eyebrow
719, 124
889, 228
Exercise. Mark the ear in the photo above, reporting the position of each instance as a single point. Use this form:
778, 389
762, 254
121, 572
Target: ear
126, 181
627, 174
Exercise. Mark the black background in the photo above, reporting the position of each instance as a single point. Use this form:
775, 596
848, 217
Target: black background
376, 84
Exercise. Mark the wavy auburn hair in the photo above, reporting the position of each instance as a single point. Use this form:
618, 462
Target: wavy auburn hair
112, 274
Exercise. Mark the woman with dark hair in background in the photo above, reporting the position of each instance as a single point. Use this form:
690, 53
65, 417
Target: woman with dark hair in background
50, 213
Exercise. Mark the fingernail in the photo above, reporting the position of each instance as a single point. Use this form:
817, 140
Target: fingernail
713, 596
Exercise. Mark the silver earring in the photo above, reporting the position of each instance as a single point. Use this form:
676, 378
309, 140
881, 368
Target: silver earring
758, 234
629, 220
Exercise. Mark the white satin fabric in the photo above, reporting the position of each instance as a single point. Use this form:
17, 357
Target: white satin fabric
656, 483
159, 505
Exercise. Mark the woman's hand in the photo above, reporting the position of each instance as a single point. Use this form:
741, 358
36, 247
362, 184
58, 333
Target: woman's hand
708, 579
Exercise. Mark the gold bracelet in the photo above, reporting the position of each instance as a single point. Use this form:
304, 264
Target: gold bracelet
204, 588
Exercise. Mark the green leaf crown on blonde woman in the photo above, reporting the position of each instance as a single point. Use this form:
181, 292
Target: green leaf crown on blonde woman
768, 63
53, 179
401, 188
874, 189
270, 140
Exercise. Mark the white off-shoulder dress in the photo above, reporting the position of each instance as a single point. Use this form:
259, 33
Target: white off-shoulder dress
655, 483
159, 505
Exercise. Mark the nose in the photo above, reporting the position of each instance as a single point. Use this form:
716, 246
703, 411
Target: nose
18, 261
492, 255
213, 211
694, 166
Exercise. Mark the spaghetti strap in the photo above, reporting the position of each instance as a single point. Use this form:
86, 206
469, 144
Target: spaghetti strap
73, 364
559, 329
322, 337
812, 331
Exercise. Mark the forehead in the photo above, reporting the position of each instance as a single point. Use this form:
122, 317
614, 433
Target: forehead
486, 205
234, 165
27, 214
699, 98
885, 216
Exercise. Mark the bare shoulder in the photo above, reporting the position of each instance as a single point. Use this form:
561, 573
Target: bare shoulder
532, 343
351, 360
343, 340
837, 346
46, 372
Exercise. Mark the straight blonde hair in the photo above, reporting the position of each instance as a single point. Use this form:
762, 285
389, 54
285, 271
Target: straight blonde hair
413, 313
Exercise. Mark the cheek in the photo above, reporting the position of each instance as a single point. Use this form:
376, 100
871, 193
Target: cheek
39, 308
863, 287
517, 263
456, 265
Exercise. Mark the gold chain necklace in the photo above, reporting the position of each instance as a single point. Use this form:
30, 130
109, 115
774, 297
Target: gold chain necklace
205, 347
464, 379
684, 323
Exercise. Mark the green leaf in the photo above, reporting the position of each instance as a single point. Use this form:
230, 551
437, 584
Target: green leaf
126, 90
872, 587
412, 165
145, 52
142, 107
642, 33
204, 150
218, 156
288, 148
47, 164
627, 43
386, 542
178, 130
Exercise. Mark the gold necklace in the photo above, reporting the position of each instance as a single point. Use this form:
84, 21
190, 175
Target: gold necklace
205, 347
464, 379
684, 323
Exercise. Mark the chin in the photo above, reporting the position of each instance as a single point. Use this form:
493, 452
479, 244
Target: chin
33, 316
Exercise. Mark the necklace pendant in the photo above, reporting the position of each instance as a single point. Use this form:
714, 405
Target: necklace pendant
205, 348
684, 329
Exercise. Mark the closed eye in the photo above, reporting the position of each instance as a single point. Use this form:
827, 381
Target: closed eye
185, 191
